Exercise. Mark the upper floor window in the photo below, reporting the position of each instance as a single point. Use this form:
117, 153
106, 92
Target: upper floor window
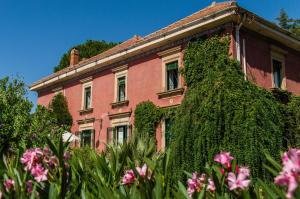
87, 97
172, 75
278, 68
87, 89
277, 73
121, 89
121, 75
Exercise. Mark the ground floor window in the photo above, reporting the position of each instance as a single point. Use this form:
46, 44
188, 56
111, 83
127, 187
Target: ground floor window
168, 132
118, 134
86, 138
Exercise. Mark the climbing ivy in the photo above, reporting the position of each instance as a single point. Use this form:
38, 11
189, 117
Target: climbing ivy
146, 118
221, 111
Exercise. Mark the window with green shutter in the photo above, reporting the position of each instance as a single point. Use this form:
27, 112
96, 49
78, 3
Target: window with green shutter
168, 132
86, 138
277, 73
121, 89
172, 75
87, 97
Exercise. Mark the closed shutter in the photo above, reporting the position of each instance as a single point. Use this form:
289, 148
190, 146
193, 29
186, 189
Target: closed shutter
77, 142
93, 138
110, 135
129, 132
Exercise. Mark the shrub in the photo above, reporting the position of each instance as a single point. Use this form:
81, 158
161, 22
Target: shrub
146, 119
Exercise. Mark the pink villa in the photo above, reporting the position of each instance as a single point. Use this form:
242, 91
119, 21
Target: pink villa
103, 91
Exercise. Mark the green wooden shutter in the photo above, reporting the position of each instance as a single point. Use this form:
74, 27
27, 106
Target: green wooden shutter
172, 65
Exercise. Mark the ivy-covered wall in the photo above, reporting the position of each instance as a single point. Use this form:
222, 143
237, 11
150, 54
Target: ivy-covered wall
221, 111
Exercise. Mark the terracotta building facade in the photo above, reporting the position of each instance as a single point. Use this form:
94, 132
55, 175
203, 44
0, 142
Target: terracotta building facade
103, 91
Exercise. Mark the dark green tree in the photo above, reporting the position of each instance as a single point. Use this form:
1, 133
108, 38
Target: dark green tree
14, 114
146, 119
60, 111
290, 24
222, 112
86, 50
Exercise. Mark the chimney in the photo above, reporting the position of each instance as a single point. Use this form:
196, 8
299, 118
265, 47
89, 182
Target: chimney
74, 57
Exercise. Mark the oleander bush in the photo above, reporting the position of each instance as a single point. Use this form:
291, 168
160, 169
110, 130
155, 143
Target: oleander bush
127, 171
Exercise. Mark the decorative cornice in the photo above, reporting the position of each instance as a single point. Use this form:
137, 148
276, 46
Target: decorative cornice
120, 68
170, 51
278, 50
85, 121
85, 80
119, 115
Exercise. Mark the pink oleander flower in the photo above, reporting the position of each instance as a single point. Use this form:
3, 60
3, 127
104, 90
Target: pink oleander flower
31, 157
29, 186
224, 158
290, 174
142, 171
239, 182
211, 185
52, 162
1, 195
9, 184
195, 183
67, 155
244, 170
39, 173
129, 177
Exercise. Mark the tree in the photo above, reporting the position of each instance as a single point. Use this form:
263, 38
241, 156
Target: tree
43, 124
290, 24
59, 109
14, 114
86, 50
222, 112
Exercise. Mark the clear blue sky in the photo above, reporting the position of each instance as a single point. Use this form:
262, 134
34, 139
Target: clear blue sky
35, 33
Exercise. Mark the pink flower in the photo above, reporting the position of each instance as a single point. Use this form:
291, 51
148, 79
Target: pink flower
29, 186
67, 155
142, 171
39, 173
244, 170
290, 172
224, 158
287, 179
52, 162
9, 184
211, 185
129, 177
31, 157
195, 183
241, 181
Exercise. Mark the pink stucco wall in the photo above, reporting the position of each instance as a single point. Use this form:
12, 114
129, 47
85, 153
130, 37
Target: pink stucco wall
258, 59
145, 81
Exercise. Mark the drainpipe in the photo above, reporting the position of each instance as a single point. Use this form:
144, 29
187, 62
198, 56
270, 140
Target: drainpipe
237, 41
244, 60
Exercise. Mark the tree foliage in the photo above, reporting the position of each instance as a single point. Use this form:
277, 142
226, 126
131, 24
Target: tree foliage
43, 125
86, 50
146, 118
14, 114
290, 24
60, 111
221, 111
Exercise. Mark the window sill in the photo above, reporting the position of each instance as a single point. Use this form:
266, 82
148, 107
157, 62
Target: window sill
119, 104
86, 111
170, 93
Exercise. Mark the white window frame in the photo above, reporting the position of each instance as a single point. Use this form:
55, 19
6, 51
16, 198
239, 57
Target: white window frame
281, 58
125, 121
84, 86
118, 75
168, 56
88, 126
